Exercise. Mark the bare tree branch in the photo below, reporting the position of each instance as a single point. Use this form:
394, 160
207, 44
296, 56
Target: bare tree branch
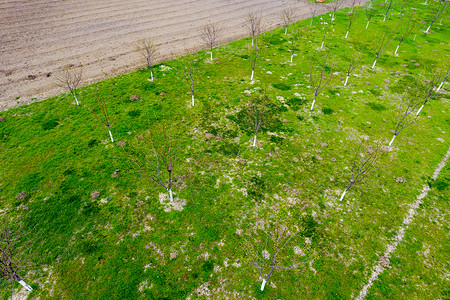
288, 16
210, 35
69, 77
319, 80
149, 51
104, 117
253, 23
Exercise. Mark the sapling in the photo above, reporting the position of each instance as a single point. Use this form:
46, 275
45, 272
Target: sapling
69, 77
296, 35
437, 8
405, 30
104, 117
11, 249
189, 69
390, 5
364, 164
354, 61
405, 109
319, 80
255, 53
429, 88
148, 49
351, 17
370, 12
314, 10
269, 245
210, 36
164, 155
253, 23
256, 112
287, 16
381, 43
335, 6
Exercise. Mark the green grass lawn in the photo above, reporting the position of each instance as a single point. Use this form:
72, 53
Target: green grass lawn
125, 245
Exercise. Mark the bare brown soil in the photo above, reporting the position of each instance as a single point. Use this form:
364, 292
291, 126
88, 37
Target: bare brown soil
38, 37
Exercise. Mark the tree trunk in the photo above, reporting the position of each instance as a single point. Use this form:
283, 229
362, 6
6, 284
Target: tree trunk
211, 55
311, 20
332, 17
385, 17
346, 79
292, 57
285, 31
367, 24
193, 102
25, 285
373, 66
429, 27
396, 49
393, 138
321, 47
263, 285
343, 194
312, 106
170, 195
76, 99
439, 86
110, 134
253, 73
254, 142
252, 41
151, 74
346, 35
418, 112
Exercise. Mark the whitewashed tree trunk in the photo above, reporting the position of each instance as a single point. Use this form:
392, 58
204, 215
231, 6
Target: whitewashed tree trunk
263, 285
393, 138
292, 57
254, 142
418, 112
346, 79
439, 87
373, 66
414, 37
285, 31
211, 55
321, 47
170, 195
151, 74
76, 99
332, 17
311, 21
253, 73
252, 41
312, 106
25, 285
396, 49
110, 134
384, 19
346, 35
343, 194
193, 101
428, 28
367, 24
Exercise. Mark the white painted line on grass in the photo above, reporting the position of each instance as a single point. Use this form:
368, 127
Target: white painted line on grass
378, 269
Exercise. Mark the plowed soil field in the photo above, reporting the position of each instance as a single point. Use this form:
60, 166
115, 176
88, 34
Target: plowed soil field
38, 37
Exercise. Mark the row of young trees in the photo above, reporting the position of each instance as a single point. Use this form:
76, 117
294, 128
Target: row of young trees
160, 162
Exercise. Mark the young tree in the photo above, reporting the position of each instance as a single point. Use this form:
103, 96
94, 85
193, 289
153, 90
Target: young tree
314, 10
370, 12
444, 78
10, 251
389, 6
256, 111
269, 245
104, 117
351, 17
210, 36
405, 30
253, 23
189, 69
335, 6
381, 43
255, 53
364, 164
319, 80
437, 8
149, 51
70, 77
164, 156
288, 17
354, 61
296, 35
405, 109
429, 88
